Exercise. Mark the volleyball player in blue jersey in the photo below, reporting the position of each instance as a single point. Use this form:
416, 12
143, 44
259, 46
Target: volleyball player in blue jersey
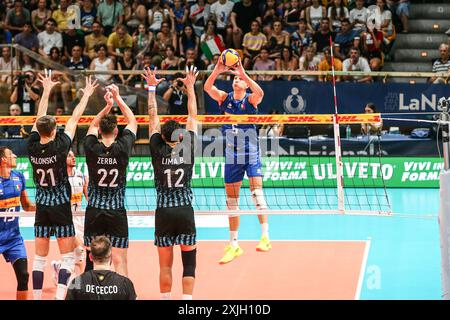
13, 194
242, 151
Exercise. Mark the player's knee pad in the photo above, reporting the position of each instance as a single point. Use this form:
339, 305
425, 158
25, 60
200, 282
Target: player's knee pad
80, 254
189, 259
233, 204
68, 261
258, 199
21, 270
39, 263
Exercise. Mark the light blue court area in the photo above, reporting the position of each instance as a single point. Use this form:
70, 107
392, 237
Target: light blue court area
404, 257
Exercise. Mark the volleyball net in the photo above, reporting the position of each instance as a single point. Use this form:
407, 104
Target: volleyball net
296, 179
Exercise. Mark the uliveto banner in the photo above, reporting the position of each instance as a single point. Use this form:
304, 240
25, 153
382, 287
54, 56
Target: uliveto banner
298, 172
316, 97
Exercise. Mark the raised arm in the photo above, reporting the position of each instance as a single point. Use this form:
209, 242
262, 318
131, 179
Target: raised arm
257, 94
71, 125
126, 111
209, 86
48, 84
95, 124
152, 82
189, 82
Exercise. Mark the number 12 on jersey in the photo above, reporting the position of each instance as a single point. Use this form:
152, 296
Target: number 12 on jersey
179, 173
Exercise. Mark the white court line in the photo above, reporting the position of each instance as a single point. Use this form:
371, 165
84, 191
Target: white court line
362, 271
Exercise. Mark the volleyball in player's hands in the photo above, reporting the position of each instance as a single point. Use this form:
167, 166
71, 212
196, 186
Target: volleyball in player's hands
229, 58
149, 76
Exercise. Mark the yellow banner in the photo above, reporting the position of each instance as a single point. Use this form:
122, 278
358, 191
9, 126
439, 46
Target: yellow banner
9, 203
220, 119
76, 198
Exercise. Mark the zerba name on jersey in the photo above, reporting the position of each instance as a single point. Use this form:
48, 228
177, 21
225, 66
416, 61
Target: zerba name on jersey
107, 161
46, 160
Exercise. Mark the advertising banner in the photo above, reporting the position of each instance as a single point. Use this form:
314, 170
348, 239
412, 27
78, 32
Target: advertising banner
294, 172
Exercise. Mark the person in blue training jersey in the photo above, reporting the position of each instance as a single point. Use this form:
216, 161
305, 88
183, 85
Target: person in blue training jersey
242, 151
13, 194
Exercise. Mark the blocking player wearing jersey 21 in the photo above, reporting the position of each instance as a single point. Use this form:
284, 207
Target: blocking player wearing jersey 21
107, 162
13, 194
172, 155
242, 154
47, 151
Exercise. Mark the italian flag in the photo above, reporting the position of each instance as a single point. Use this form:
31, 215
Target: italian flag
212, 47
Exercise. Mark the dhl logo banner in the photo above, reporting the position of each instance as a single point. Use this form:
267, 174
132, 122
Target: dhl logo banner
221, 119
9, 203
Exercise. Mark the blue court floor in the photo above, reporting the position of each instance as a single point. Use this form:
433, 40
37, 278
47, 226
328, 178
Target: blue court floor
404, 257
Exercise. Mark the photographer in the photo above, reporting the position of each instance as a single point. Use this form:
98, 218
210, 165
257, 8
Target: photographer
13, 132
176, 97
26, 92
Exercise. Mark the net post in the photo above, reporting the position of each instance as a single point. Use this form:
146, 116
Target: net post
444, 208
337, 140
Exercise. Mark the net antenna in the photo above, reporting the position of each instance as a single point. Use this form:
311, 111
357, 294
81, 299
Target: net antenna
337, 140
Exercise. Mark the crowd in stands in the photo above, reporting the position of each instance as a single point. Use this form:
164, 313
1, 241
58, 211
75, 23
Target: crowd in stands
282, 35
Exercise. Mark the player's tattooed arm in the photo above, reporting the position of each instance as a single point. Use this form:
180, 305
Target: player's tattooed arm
48, 84
189, 82
88, 90
95, 124
150, 77
126, 111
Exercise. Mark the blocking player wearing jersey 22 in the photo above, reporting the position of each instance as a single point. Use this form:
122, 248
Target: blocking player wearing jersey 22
172, 152
242, 151
107, 162
47, 151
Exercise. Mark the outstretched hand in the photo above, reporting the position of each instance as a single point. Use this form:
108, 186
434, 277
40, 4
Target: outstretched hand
46, 80
90, 86
191, 76
114, 90
150, 77
109, 99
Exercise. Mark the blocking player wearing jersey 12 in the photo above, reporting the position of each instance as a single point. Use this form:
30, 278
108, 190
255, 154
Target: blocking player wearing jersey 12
107, 162
78, 182
47, 151
242, 151
13, 194
172, 152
